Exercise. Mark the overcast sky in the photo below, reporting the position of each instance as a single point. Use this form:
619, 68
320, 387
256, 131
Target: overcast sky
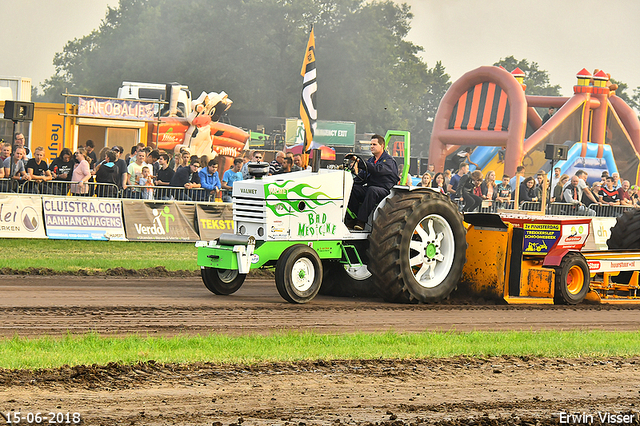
562, 36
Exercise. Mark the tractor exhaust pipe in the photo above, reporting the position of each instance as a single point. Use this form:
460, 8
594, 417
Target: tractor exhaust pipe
315, 161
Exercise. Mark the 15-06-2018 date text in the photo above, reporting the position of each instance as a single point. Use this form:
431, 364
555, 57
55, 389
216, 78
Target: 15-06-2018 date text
38, 418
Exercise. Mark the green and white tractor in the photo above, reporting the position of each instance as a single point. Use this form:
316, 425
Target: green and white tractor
411, 250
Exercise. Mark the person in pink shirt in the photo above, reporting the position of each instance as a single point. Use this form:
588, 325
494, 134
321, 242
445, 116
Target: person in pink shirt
81, 174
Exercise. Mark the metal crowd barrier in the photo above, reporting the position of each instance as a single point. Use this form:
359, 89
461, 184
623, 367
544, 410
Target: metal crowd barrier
487, 206
105, 190
165, 193
8, 185
555, 209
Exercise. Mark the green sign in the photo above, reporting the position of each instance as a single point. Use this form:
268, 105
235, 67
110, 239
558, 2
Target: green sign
329, 133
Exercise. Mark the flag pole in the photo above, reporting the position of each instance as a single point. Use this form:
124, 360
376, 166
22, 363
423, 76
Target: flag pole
308, 110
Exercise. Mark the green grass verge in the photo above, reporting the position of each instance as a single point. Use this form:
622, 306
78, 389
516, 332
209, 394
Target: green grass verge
70, 256
45, 352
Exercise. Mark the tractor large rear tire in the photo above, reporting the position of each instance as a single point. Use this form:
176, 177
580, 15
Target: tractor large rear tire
417, 247
625, 235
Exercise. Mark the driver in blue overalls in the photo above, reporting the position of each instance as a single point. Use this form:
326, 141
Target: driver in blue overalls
373, 184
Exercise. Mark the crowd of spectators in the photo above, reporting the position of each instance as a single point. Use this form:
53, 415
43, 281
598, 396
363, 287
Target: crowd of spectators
475, 192
145, 173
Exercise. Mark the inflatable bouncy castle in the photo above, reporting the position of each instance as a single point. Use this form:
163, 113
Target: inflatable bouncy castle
488, 108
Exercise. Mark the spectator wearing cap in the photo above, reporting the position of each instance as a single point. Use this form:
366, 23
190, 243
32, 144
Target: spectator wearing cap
255, 158
187, 178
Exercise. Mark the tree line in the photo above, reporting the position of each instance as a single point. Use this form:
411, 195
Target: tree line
368, 72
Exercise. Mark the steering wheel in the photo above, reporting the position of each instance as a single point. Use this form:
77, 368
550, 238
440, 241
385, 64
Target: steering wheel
349, 162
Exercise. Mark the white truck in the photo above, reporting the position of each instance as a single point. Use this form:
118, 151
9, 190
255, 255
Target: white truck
178, 96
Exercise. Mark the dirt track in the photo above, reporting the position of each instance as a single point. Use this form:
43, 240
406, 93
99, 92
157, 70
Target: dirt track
450, 391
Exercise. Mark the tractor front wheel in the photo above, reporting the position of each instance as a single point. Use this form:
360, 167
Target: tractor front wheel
298, 274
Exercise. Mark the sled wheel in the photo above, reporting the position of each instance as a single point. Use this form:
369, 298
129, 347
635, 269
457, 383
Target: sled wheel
298, 274
222, 281
572, 279
417, 247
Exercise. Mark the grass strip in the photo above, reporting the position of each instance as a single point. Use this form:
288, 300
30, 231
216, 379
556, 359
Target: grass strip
48, 352
70, 256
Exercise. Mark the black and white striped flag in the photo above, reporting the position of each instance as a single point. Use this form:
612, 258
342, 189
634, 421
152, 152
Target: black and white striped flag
308, 111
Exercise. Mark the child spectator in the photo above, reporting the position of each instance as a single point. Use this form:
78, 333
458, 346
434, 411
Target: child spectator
146, 181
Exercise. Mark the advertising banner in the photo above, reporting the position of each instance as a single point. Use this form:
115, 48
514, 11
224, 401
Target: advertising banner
115, 108
329, 133
21, 217
158, 221
84, 218
540, 237
600, 232
214, 219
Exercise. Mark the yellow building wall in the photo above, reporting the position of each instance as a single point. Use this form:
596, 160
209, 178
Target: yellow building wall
47, 127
